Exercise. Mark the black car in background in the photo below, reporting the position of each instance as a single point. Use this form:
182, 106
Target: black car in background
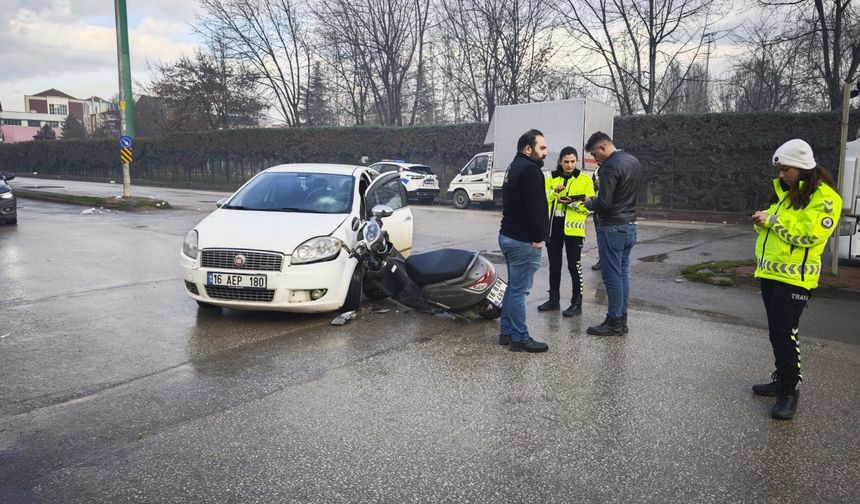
8, 202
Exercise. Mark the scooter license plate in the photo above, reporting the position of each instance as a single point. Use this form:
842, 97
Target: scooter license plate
497, 293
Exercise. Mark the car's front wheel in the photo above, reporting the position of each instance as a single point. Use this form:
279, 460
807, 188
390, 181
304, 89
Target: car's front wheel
353, 295
461, 199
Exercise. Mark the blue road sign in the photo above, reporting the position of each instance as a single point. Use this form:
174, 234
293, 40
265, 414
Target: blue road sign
125, 141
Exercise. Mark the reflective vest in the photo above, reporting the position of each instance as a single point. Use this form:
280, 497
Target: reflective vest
574, 213
789, 245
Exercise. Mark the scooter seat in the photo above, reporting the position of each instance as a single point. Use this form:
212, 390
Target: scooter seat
438, 265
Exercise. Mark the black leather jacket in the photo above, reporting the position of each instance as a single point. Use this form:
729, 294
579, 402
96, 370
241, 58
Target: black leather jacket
621, 178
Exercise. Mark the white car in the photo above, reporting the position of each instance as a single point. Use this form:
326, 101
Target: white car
283, 240
420, 181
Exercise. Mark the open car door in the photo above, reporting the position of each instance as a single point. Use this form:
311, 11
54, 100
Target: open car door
387, 190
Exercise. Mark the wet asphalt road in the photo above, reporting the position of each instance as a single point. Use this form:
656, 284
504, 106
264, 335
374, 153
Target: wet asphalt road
116, 389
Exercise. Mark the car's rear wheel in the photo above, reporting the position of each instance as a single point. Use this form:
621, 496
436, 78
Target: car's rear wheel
353, 295
461, 199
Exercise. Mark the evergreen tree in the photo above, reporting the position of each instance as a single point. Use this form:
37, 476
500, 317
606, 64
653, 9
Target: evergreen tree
72, 128
317, 105
45, 133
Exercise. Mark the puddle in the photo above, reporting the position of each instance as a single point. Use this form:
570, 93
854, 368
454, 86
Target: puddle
654, 258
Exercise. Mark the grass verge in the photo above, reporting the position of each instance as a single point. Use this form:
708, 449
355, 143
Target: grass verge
133, 203
717, 272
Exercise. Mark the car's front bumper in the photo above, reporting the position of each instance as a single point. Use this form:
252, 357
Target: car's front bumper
423, 193
289, 289
8, 208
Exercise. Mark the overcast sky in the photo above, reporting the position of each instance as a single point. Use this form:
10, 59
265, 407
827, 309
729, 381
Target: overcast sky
70, 45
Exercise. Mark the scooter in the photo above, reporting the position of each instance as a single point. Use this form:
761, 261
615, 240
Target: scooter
445, 280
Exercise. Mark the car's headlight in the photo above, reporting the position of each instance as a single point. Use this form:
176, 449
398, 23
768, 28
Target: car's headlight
322, 248
6, 195
189, 245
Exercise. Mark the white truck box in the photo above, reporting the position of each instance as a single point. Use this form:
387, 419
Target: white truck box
563, 123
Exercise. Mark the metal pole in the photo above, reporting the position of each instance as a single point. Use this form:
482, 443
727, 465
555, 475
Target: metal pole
126, 99
843, 139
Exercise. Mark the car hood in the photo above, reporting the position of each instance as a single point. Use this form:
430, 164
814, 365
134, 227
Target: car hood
276, 231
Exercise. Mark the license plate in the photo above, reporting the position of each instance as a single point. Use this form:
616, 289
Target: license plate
428, 182
234, 280
497, 293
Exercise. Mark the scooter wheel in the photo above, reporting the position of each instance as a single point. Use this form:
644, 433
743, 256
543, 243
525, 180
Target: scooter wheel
490, 312
373, 294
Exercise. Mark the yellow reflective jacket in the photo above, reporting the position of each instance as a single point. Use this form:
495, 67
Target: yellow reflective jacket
789, 245
579, 184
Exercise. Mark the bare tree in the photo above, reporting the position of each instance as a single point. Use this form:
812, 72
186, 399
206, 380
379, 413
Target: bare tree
385, 38
496, 51
629, 45
269, 36
771, 76
682, 93
830, 31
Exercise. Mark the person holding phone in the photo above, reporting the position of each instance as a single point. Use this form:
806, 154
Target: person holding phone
566, 189
792, 234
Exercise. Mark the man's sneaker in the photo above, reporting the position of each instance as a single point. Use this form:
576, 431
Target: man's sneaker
609, 327
768, 389
624, 328
528, 345
786, 403
504, 339
551, 305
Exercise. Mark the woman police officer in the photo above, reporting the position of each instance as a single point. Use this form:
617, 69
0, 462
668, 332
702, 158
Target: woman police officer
792, 234
566, 187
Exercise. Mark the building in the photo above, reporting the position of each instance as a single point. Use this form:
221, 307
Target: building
22, 126
55, 102
51, 107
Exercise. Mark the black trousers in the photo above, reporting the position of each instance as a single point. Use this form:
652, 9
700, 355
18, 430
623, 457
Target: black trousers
784, 304
573, 246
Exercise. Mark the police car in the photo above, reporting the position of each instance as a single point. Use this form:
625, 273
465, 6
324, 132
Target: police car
420, 181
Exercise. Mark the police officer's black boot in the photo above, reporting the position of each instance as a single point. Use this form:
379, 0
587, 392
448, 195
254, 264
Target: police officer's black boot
768, 389
609, 327
786, 402
552, 304
575, 307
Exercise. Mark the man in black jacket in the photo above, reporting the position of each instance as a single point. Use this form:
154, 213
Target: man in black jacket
614, 209
521, 237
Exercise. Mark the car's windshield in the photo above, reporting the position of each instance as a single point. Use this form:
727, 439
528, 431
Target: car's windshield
296, 192
421, 169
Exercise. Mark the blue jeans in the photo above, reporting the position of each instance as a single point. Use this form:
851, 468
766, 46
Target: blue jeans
614, 244
523, 261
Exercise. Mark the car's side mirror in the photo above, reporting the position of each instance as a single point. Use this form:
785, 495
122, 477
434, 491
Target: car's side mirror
220, 202
382, 211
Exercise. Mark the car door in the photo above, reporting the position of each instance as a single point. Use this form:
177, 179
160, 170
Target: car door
387, 190
475, 175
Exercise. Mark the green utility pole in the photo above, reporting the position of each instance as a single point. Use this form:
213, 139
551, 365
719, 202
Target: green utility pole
126, 99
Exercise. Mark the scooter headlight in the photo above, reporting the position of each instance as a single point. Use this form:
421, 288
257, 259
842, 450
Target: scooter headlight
322, 248
371, 232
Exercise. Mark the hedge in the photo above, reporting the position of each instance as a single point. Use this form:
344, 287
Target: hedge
702, 162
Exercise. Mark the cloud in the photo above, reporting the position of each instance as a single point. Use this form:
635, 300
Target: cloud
71, 44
